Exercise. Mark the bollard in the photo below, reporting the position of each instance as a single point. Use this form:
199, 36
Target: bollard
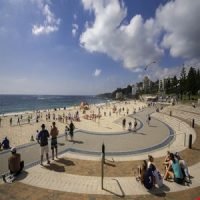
193, 123
102, 164
102, 170
103, 148
170, 113
103, 152
190, 141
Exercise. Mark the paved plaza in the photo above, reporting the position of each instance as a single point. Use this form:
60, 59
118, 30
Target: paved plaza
68, 173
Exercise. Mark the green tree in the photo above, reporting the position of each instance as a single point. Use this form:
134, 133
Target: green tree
168, 86
183, 82
198, 79
192, 82
174, 84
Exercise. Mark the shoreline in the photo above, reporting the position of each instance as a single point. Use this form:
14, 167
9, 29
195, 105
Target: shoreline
8, 114
19, 134
20, 104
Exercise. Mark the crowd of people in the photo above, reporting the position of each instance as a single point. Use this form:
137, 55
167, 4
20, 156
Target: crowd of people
148, 173
175, 170
15, 165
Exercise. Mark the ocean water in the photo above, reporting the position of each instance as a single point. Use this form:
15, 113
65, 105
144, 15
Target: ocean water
21, 103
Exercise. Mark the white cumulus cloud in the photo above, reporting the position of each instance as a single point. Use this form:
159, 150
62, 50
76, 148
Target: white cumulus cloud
50, 24
135, 43
138, 42
97, 72
180, 21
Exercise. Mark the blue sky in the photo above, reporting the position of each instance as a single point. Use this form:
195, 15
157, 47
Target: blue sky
94, 46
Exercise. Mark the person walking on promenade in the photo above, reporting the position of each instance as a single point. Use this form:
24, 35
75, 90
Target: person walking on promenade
135, 125
66, 132
11, 121
148, 119
15, 165
0, 121
71, 130
124, 123
18, 121
43, 141
129, 126
54, 134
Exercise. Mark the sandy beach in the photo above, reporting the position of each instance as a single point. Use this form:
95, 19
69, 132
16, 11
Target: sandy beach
109, 113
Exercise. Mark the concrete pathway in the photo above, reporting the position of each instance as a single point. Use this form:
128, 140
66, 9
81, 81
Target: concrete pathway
146, 139
120, 186
41, 177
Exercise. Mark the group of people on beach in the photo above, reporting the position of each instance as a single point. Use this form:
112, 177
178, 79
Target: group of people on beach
16, 165
131, 127
175, 170
43, 136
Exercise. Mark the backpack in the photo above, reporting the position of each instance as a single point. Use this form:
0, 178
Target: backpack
148, 179
158, 178
43, 137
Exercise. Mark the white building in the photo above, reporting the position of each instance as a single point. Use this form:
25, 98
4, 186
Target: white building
119, 95
162, 83
134, 90
146, 83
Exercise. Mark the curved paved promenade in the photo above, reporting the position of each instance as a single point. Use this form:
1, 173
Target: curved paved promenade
41, 177
120, 186
145, 139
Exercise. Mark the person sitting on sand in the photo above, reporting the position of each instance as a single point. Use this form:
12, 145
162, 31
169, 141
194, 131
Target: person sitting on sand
32, 138
145, 175
141, 172
177, 172
157, 178
15, 165
6, 143
167, 160
184, 167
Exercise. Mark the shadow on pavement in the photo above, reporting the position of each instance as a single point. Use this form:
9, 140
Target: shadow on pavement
76, 141
110, 164
140, 133
65, 162
160, 192
61, 144
55, 167
152, 126
122, 195
22, 175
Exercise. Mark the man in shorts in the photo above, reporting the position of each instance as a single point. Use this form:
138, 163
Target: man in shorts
54, 134
43, 141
